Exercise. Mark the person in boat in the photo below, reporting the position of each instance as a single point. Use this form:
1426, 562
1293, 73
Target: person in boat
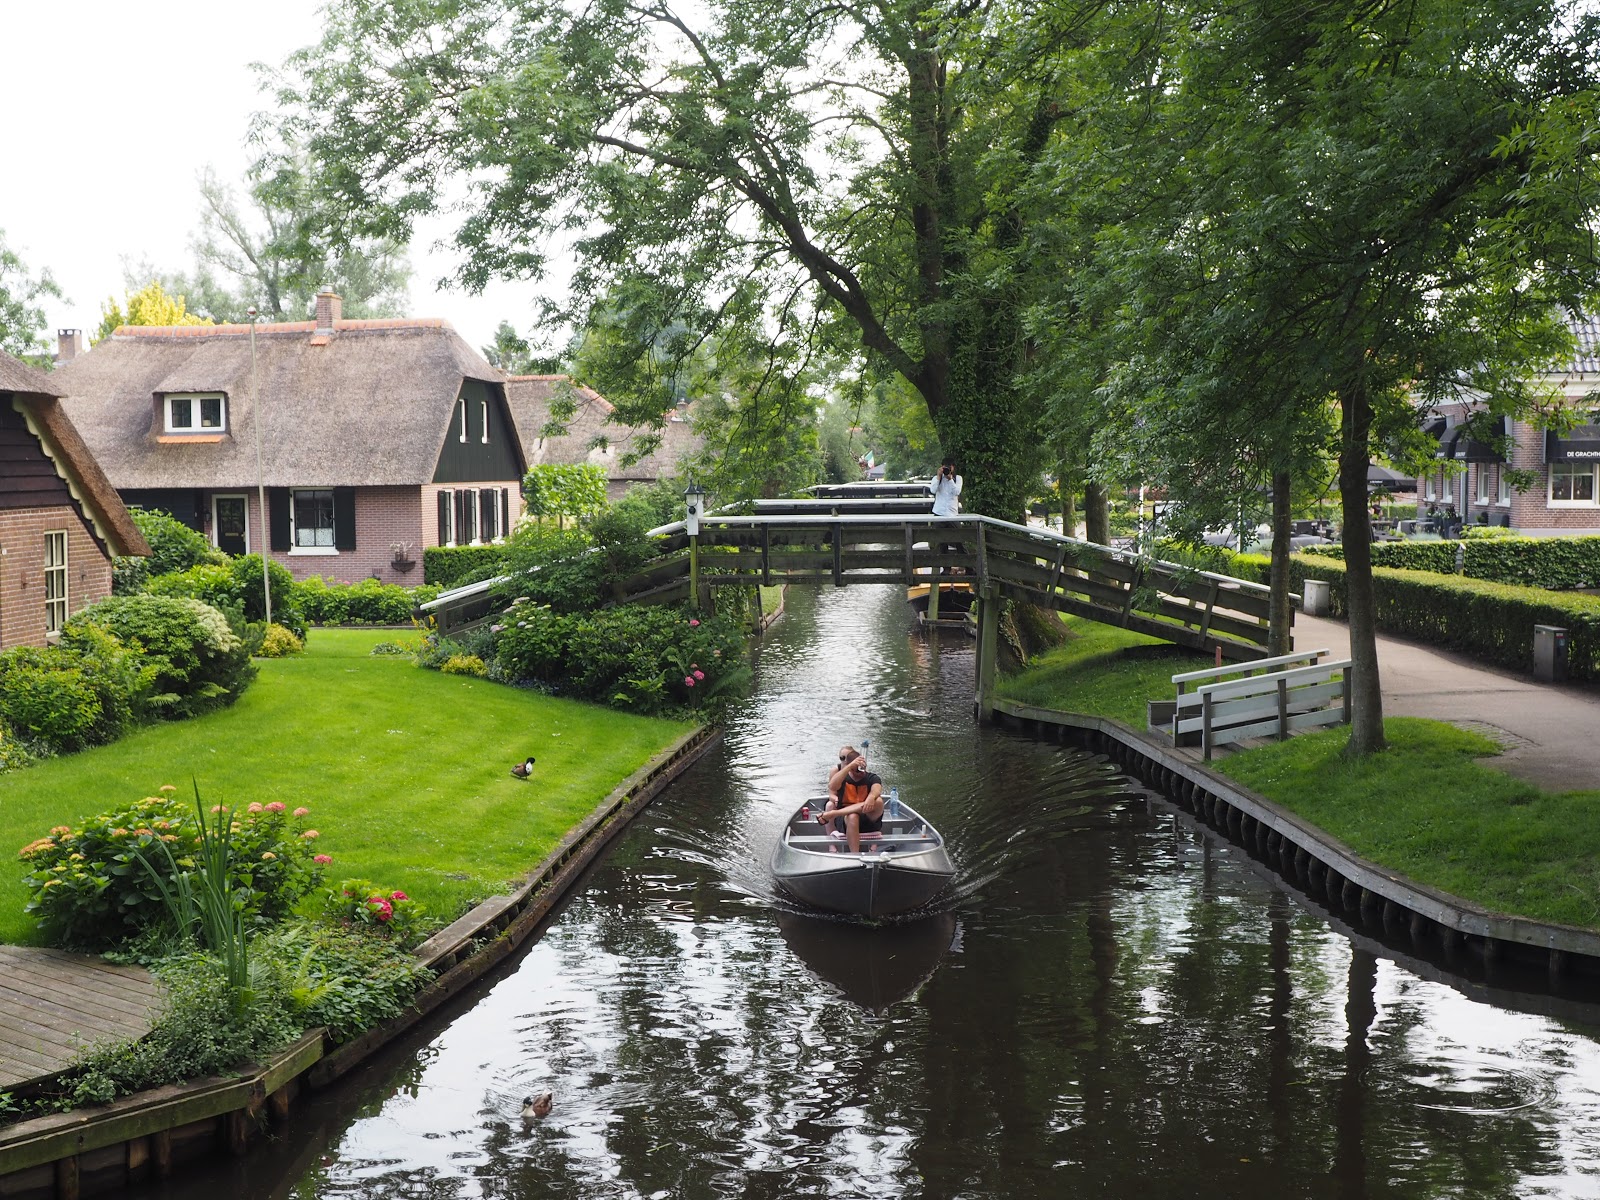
855, 800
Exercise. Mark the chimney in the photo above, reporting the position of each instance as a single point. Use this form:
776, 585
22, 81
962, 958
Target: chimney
69, 343
328, 309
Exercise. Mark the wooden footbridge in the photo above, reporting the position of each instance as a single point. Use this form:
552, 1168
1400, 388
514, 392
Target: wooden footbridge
884, 534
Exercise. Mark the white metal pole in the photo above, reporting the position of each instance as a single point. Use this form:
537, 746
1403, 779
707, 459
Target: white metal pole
261, 483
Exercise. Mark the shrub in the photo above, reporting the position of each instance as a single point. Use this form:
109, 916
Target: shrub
122, 679
279, 642
13, 754
395, 649
235, 588
173, 547
645, 659
369, 602
362, 905
90, 890
453, 566
45, 698
338, 977
198, 662
464, 664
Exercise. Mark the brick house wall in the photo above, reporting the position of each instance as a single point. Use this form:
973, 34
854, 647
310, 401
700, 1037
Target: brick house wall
22, 530
430, 506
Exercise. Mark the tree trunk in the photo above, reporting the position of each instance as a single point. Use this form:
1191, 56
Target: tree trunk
1366, 693
1069, 508
1096, 513
1280, 613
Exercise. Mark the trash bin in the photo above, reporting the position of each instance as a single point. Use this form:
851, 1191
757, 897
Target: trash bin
1316, 599
1549, 654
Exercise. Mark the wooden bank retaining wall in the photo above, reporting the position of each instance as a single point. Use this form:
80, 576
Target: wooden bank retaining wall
101, 1150
1429, 922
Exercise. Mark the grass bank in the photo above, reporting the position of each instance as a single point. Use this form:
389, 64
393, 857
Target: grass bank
406, 771
1425, 808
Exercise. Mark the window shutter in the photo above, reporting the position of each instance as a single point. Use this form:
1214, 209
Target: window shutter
344, 518
447, 533
505, 512
278, 536
463, 534
488, 509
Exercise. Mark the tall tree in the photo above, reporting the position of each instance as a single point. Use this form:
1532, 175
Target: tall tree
853, 166
150, 305
22, 317
1367, 217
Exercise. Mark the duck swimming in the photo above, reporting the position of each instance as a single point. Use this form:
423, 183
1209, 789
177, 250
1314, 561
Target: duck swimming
535, 1107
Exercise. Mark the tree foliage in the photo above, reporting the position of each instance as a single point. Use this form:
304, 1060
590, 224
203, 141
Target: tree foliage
149, 305
563, 490
22, 316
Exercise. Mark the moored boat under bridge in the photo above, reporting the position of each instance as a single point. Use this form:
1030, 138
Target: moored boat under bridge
884, 534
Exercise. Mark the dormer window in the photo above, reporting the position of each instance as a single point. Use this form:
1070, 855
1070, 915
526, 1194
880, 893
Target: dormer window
196, 413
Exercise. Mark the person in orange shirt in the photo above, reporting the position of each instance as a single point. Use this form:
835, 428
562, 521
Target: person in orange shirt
855, 799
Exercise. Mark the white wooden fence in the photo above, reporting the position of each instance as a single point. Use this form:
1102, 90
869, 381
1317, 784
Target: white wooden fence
1279, 696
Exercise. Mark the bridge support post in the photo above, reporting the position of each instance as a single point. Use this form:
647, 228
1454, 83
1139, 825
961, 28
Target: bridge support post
988, 638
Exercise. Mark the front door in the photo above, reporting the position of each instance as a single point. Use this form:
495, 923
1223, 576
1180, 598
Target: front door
229, 524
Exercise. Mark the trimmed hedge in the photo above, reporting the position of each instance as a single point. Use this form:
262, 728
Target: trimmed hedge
1493, 622
452, 566
1558, 563
369, 602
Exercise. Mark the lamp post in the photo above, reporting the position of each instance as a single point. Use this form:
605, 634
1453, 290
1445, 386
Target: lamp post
694, 497
261, 483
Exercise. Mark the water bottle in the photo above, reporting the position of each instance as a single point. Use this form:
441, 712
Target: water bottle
894, 803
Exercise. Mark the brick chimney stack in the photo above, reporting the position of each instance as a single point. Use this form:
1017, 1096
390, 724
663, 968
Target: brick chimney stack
69, 344
329, 307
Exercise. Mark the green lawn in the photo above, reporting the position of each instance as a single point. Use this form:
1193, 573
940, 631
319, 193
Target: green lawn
1423, 808
1089, 673
406, 771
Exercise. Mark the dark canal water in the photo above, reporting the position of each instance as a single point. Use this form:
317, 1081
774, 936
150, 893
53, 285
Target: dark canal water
1111, 1004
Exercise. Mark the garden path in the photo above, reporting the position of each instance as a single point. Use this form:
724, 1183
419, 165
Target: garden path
55, 1005
1548, 731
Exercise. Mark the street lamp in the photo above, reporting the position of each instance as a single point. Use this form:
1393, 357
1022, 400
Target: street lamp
261, 483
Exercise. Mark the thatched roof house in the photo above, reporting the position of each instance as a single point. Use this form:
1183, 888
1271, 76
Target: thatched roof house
592, 435
376, 437
60, 519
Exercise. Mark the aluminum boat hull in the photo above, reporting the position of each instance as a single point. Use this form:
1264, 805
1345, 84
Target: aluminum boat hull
901, 872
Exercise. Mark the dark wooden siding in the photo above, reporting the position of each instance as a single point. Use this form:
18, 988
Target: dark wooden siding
28, 478
186, 504
474, 460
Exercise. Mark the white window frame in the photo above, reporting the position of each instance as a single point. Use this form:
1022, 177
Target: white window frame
484, 406
1575, 469
194, 400
1482, 483
463, 434
56, 606
294, 525
1503, 487
216, 523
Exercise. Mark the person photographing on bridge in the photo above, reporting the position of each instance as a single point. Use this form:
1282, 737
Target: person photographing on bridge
855, 799
946, 490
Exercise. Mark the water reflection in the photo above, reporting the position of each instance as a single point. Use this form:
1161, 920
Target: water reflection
1130, 1008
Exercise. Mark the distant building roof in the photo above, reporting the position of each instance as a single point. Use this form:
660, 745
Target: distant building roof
1586, 331
360, 403
531, 398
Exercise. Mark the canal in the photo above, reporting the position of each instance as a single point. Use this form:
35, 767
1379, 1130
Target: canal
1111, 1002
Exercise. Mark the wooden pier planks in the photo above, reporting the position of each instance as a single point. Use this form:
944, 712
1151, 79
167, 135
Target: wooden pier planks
54, 1006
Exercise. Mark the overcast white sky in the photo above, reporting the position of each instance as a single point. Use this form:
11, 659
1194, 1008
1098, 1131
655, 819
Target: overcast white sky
113, 109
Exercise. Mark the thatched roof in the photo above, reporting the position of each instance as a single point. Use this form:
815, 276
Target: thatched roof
38, 397
531, 396
368, 405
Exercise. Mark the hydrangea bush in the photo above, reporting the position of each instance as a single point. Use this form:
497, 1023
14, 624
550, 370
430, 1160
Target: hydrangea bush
90, 890
363, 905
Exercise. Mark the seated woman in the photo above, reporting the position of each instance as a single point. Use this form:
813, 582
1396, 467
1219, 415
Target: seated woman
855, 800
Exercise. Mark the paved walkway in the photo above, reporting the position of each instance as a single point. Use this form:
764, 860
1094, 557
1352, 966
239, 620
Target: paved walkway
55, 1005
1550, 732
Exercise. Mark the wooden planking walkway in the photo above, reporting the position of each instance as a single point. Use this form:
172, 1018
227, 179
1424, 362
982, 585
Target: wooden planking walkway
54, 1006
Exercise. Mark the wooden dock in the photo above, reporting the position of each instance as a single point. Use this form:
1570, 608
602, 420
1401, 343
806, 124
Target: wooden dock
55, 1006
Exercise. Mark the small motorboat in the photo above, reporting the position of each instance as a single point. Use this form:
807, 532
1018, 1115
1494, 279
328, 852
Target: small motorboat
955, 600
900, 871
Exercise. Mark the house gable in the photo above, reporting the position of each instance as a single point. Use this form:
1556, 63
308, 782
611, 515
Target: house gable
28, 476
480, 443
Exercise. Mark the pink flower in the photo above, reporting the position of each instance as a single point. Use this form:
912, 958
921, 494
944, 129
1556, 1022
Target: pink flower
61, 831
276, 806
398, 896
300, 812
255, 808
699, 674
693, 621
219, 808
323, 860
310, 834
688, 681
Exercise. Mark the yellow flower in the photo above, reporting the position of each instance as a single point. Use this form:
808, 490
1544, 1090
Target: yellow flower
268, 856
166, 789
